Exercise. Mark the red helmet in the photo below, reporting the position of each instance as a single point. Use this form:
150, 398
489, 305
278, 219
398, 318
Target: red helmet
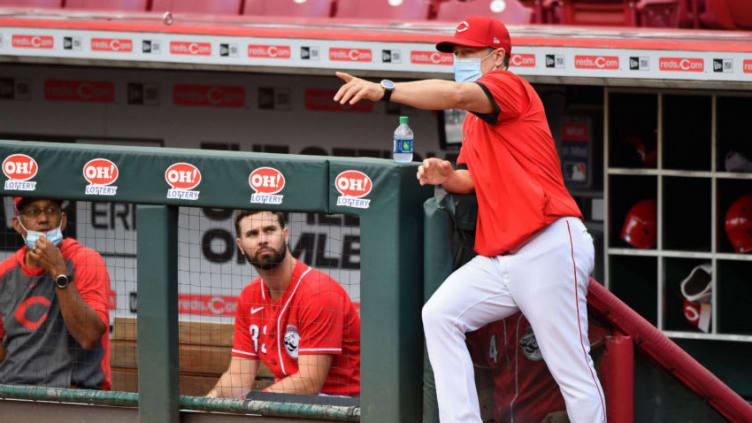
739, 224
640, 226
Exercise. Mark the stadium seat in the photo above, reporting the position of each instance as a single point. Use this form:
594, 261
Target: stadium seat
298, 8
508, 11
600, 12
659, 13
384, 9
124, 5
741, 12
211, 7
727, 14
31, 3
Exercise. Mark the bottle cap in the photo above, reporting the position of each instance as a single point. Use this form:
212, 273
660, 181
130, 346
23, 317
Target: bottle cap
403, 119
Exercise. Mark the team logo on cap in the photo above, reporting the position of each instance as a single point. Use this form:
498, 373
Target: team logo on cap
353, 185
463, 26
100, 174
20, 168
182, 178
267, 182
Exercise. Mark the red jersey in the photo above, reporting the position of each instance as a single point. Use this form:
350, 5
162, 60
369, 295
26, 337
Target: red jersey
313, 316
40, 350
524, 390
515, 168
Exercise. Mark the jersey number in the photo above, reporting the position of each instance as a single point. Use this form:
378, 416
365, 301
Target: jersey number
493, 353
254, 329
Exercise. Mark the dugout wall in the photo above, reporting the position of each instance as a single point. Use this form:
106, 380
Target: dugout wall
382, 193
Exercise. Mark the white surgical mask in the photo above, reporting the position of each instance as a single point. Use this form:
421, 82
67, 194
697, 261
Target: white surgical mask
468, 70
55, 236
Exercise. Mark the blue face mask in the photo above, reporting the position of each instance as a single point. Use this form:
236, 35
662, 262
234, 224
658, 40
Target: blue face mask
468, 70
55, 236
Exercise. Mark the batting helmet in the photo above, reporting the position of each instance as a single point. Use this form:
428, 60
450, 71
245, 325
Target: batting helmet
739, 224
640, 226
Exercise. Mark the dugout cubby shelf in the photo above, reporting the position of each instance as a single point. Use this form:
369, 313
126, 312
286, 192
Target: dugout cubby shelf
674, 147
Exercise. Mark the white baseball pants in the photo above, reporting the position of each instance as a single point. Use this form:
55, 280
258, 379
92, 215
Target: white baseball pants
546, 279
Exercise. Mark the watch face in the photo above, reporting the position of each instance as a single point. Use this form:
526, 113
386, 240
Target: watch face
388, 84
62, 281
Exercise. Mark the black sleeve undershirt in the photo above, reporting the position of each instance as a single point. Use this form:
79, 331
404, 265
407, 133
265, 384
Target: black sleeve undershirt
489, 118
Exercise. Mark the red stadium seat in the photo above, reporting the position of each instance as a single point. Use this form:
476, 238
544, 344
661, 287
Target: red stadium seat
507, 11
211, 7
31, 3
716, 14
600, 12
741, 11
659, 13
384, 9
298, 8
124, 5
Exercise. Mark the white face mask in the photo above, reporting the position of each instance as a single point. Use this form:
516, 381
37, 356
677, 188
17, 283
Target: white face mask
468, 70
55, 236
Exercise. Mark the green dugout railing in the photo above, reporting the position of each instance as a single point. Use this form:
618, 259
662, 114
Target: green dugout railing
384, 194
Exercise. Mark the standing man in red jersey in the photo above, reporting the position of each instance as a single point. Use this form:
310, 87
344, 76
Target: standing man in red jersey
535, 254
53, 305
297, 320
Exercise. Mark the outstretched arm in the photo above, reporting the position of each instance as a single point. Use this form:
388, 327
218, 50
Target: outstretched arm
440, 172
429, 94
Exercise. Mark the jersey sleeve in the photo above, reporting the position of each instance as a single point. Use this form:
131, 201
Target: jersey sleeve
506, 92
93, 282
322, 322
242, 341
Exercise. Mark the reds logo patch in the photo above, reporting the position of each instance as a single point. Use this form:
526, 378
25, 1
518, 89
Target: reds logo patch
292, 341
20, 168
353, 185
100, 173
267, 182
529, 345
182, 177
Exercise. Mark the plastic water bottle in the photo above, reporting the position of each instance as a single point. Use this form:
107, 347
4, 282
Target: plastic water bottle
403, 142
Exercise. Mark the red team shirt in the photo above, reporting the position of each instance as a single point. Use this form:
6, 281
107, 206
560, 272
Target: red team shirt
515, 168
313, 316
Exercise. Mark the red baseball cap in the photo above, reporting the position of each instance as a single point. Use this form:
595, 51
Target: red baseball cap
478, 31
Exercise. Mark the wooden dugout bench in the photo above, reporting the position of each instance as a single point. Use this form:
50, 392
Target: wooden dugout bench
204, 356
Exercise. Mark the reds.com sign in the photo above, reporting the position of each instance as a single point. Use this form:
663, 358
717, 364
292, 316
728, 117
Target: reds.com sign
431, 58
269, 52
207, 305
747, 66
522, 60
680, 64
112, 44
83, 91
32, 41
208, 95
350, 54
20, 167
190, 48
596, 62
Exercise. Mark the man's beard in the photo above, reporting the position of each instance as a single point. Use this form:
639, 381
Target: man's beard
270, 261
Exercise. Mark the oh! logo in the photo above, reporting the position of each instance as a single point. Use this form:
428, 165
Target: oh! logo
182, 178
20, 169
100, 174
353, 185
267, 182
